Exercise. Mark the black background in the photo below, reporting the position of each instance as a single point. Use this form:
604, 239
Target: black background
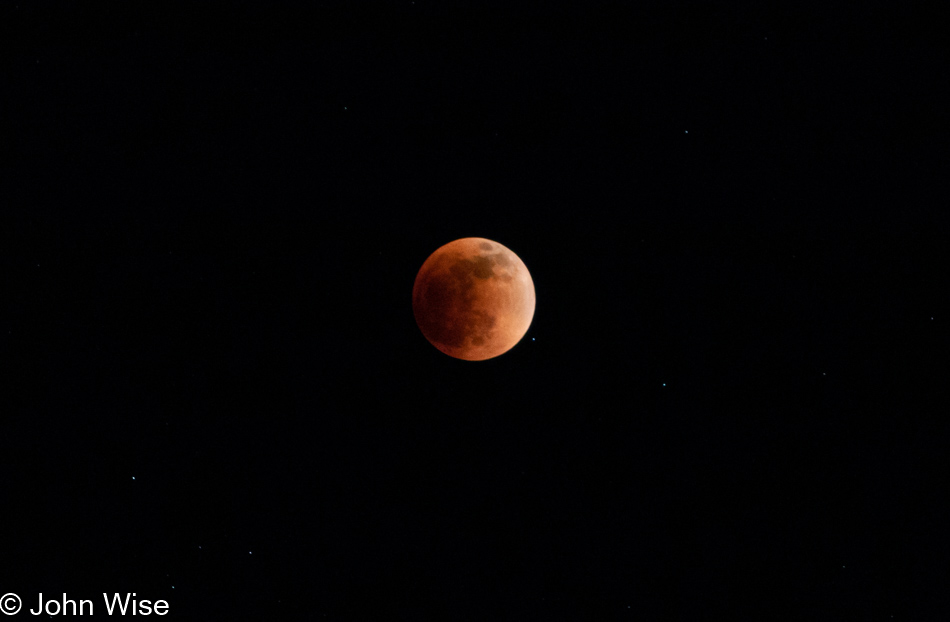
728, 402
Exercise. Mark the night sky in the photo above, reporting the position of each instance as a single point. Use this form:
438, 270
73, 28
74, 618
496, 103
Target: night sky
730, 404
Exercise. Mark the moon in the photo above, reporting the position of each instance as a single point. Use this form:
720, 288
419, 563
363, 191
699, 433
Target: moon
473, 299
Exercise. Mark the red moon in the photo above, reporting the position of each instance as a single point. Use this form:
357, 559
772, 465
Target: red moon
473, 299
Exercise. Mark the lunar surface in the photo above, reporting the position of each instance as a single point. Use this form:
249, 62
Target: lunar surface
473, 299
